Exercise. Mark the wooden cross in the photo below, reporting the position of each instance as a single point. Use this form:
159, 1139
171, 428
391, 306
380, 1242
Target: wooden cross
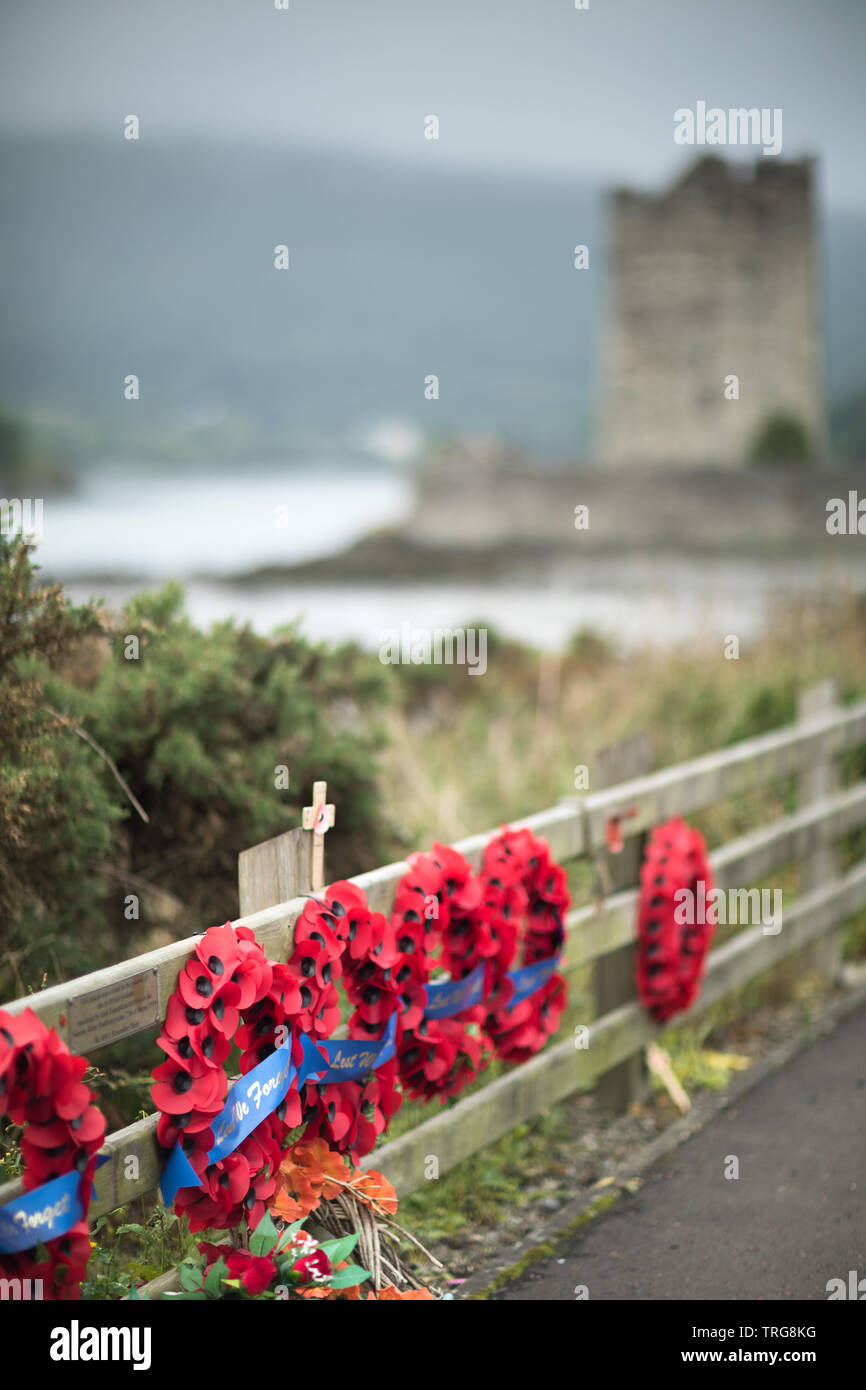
319, 818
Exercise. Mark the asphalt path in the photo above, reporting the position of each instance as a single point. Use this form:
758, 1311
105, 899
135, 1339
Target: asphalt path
794, 1218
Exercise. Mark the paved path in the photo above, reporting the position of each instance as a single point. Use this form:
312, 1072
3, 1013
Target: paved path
795, 1217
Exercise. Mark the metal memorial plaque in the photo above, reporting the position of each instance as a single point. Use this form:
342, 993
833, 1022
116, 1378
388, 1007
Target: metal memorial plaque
116, 1011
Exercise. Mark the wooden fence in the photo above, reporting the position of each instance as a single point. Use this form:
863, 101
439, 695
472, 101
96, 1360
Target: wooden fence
99, 1009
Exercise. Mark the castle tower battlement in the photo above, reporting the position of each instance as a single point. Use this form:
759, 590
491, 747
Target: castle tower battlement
715, 277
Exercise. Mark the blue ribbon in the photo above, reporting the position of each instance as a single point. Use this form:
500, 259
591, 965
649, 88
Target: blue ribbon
530, 978
251, 1099
454, 996
351, 1059
44, 1214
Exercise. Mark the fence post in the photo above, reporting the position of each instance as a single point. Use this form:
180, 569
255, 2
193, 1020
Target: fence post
274, 871
820, 867
627, 1083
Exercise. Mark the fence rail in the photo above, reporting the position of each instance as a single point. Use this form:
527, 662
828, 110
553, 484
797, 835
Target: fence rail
110, 1004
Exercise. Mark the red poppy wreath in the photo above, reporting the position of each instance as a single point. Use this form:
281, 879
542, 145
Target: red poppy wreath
440, 909
41, 1088
337, 935
526, 896
672, 943
227, 992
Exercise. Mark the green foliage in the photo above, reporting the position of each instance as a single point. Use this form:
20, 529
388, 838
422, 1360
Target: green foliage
197, 725
200, 1280
765, 707
126, 1251
56, 810
782, 438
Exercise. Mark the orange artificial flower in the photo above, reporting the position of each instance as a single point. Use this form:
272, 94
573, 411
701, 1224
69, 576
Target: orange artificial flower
372, 1187
303, 1178
389, 1295
392, 1295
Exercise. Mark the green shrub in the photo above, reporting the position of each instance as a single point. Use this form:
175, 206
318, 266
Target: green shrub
196, 725
57, 813
782, 438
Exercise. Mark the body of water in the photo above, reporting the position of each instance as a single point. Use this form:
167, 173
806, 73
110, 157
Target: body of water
159, 525
120, 533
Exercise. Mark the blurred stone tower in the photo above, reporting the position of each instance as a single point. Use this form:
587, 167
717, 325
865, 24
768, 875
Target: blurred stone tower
713, 278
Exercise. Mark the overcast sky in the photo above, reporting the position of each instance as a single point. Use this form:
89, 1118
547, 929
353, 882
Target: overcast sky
522, 84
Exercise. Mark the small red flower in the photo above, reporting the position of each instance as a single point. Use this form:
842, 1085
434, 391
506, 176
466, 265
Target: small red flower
313, 1268
255, 1272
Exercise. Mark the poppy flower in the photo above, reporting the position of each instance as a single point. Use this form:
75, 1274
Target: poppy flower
377, 1100
358, 929
203, 1212
521, 1032
419, 888
196, 1146
192, 1086
255, 1272
218, 950
260, 1034
319, 927
172, 1129
285, 990
462, 888
253, 976
197, 987
327, 1015
230, 1176
363, 933
329, 1111
374, 996
313, 959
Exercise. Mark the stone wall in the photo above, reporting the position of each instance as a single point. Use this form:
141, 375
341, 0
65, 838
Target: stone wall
472, 505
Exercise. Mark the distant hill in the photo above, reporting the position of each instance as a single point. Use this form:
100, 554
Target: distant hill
158, 260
